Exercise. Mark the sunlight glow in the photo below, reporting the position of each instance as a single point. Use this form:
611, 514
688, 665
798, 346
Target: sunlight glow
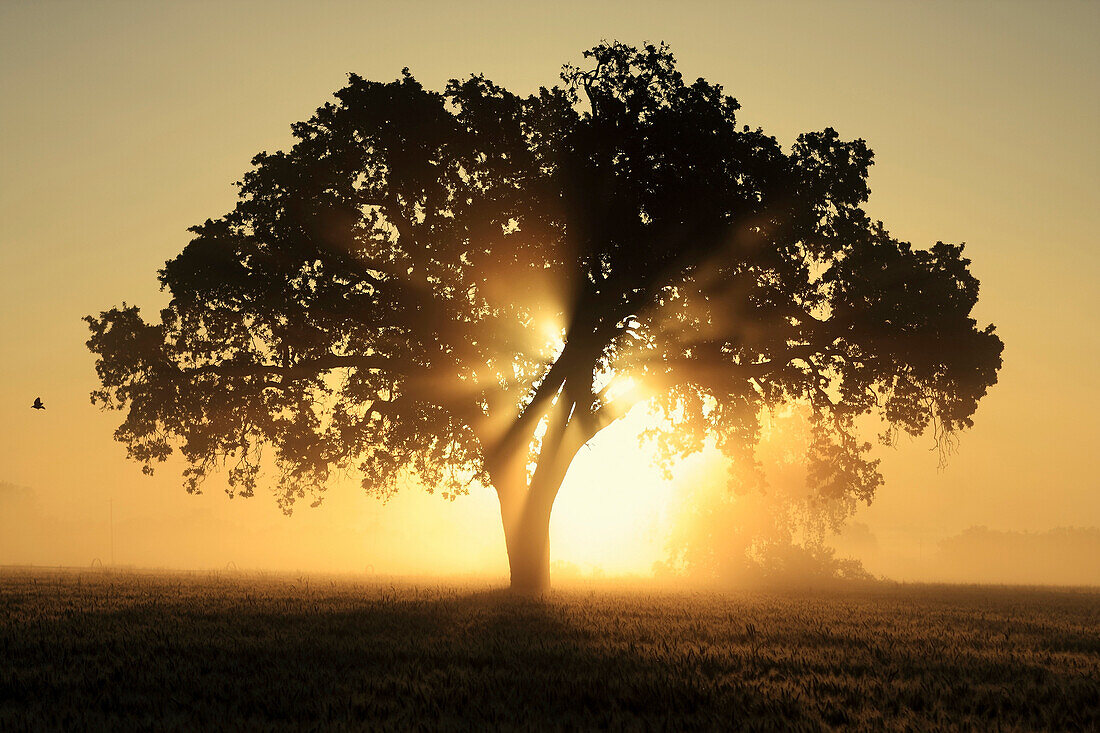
552, 334
613, 513
623, 387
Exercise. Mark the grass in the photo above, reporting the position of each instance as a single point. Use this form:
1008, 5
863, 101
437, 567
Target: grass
101, 649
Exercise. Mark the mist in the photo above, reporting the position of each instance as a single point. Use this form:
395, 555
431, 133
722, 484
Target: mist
423, 535
1057, 556
415, 533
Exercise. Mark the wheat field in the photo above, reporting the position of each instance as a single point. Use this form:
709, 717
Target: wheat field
95, 649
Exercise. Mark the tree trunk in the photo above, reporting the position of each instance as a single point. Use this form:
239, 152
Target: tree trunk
526, 517
525, 506
528, 541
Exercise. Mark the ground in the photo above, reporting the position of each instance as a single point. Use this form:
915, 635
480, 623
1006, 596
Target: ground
98, 649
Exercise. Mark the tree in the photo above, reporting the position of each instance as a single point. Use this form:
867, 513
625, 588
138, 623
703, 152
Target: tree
769, 528
467, 286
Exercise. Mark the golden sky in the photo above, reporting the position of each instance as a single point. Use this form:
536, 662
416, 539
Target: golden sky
121, 124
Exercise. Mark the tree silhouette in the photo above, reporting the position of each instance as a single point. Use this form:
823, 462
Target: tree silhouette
467, 286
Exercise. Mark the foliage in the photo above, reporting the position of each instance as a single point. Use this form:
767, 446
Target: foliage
462, 286
763, 523
105, 650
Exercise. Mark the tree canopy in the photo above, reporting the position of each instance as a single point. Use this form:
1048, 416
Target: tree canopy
465, 286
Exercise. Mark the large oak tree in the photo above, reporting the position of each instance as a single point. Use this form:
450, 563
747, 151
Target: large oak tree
465, 287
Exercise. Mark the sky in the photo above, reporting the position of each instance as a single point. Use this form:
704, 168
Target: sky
122, 124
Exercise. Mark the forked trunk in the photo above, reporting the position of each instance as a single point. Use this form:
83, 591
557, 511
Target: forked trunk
525, 513
525, 503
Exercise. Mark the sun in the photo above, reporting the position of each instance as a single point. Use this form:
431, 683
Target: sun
614, 511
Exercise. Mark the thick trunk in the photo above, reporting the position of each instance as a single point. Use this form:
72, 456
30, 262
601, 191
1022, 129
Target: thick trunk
525, 513
526, 533
525, 506
528, 541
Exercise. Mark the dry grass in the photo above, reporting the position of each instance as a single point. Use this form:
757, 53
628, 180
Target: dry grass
95, 649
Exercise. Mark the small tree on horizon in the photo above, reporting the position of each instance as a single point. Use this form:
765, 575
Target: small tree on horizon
467, 286
761, 524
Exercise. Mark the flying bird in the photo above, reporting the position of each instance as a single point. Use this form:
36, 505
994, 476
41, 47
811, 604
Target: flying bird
38, 404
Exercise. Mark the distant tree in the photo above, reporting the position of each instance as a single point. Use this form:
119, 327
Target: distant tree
1059, 556
763, 523
467, 286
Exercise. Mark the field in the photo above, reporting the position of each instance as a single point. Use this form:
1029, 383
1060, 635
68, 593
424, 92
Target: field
102, 649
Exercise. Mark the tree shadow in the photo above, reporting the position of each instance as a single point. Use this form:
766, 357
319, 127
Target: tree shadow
400, 659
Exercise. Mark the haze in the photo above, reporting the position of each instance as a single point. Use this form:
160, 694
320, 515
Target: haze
125, 123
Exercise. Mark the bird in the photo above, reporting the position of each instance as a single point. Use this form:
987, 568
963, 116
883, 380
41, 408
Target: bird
38, 404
